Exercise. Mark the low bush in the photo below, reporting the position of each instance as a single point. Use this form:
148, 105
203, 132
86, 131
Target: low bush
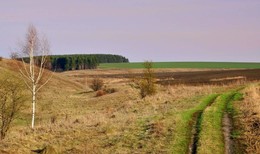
1, 58
100, 93
12, 99
147, 83
147, 88
96, 84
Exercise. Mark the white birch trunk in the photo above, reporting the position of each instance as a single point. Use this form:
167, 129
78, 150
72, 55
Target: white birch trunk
33, 105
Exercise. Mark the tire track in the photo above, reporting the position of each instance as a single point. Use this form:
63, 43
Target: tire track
227, 128
196, 128
213, 127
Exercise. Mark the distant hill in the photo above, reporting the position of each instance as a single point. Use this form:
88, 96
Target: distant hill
11, 67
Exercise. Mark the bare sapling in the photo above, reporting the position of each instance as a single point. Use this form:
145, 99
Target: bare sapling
147, 83
34, 56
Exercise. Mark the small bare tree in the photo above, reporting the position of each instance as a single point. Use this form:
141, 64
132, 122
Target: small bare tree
12, 99
14, 55
34, 51
147, 83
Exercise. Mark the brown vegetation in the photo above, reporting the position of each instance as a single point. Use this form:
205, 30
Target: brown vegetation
100, 93
12, 98
96, 84
249, 120
147, 81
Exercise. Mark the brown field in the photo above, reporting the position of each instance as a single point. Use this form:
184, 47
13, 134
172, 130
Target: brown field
176, 76
71, 119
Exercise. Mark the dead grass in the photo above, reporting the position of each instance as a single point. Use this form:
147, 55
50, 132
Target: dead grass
73, 120
230, 78
248, 121
115, 122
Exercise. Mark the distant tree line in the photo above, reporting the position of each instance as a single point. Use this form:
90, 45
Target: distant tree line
72, 62
80, 61
107, 58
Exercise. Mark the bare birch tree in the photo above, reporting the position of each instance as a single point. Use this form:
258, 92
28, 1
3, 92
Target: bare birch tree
34, 55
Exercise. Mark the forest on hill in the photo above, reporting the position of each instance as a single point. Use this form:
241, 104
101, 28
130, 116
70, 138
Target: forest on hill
81, 61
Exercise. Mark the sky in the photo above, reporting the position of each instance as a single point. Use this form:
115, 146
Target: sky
154, 30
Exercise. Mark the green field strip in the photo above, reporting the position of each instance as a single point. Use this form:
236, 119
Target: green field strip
211, 139
182, 134
213, 65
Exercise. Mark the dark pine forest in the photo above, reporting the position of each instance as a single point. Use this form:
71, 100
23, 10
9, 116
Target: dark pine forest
80, 61
83, 61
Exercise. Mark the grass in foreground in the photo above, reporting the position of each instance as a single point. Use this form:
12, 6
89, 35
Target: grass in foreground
182, 65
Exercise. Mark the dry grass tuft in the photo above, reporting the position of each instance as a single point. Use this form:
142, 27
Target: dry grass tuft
249, 119
156, 129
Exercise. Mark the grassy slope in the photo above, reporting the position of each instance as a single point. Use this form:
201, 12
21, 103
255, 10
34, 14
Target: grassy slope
183, 65
116, 123
52, 101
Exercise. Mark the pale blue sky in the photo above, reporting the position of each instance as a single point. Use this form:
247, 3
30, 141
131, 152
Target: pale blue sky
157, 30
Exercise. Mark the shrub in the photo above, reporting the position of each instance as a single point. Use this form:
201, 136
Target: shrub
147, 83
1, 58
100, 93
12, 98
96, 84
147, 89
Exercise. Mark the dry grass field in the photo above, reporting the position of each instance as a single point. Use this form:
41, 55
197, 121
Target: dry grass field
247, 120
71, 119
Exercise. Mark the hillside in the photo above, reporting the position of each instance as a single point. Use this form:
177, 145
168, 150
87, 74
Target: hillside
71, 119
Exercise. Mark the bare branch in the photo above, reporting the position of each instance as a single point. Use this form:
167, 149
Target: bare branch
45, 82
24, 66
27, 84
